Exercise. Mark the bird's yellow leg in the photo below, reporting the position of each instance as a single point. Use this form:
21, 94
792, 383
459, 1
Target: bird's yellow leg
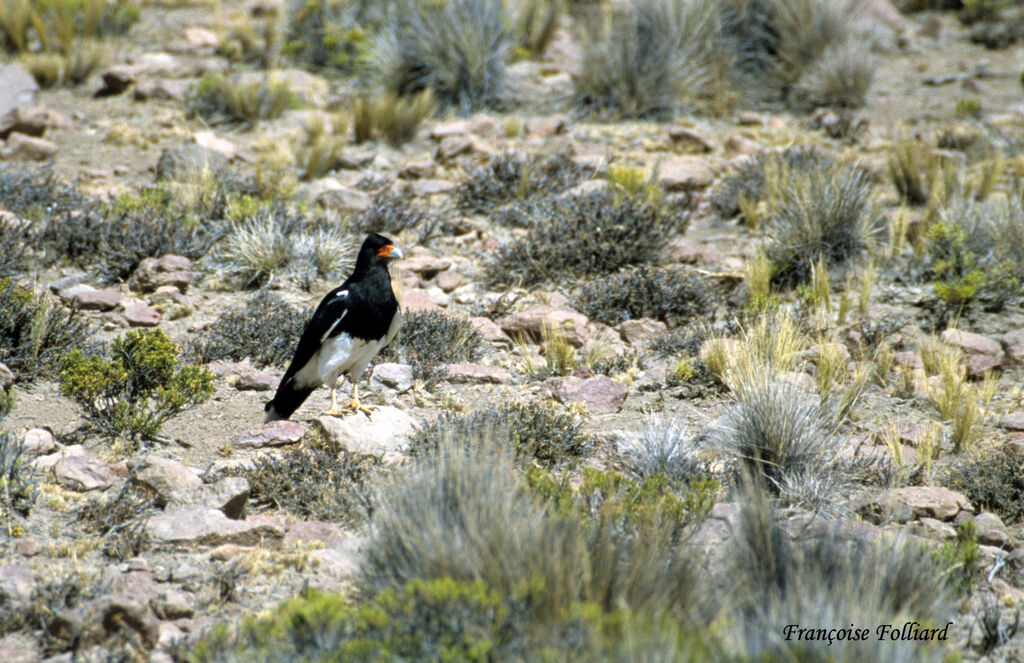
354, 405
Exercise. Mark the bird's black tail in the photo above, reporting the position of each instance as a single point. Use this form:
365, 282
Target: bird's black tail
286, 401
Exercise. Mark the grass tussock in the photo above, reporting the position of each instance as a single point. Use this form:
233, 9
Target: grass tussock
585, 235
512, 177
61, 26
757, 179
429, 339
674, 296
36, 332
840, 78
265, 330
391, 117
18, 486
993, 479
240, 100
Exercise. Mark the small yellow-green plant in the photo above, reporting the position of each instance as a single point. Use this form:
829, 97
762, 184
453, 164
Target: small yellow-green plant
968, 107
961, 559
132, 394
629, 182
392, 117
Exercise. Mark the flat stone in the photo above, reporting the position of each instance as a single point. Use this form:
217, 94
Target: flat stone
738, 146
426, 188
229, 494
30, 147
930, 528
32, 121
385, 430
160, 88
476, 373
1015, 345
46, 463
83, 473
28, 548
1013, 421
316, 531
201, 38
157, 63
393, 376
417, 169
924, 502
978, 365
254, 380
95, 300
211, 141
992, 531
272, 434
641, 331
171, 604
165, 476
59, 286
38, 442
449, 280
139, 314
427, 266
490, 330
417, 300
971, 343
691, 140
342, 198
153, 274
16, 583
531, 323
600, 394
682, 173
201, 526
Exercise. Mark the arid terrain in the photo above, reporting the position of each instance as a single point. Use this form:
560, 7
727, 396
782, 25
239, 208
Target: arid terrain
713, 325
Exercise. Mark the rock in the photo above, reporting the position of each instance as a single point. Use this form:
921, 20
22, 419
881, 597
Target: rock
201, 38
28, 548
449, 281
417, 169
115, 80
385, 430
427, 266
691, 140
201, 526
6, 377
531, 323
476, 373
18, 89
682, 250
992, 531
46, 463
87, 298
254, 380
491, 332
229, 494
186, 162
738, 146
160, 88
83, 473
38, 442
170, 270
600, 394
971, 343
29, 147
61, 286
902, 504
930, 528
158, 64
684, 172
33, 121
95, 621
210, 141
164, 476
272, 434
329, 193
397, 377
1015, 345
1013, 421
19, 648
417, 300
171, 604
749, 119
426, 188
229, 551
453, 146
978, 365
139, 314
316, 531
641, 331
16, 583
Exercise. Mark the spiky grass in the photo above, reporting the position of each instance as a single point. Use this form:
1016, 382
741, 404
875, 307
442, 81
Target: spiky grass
391, 117
256, 249
667, 449
840, 78
243, 100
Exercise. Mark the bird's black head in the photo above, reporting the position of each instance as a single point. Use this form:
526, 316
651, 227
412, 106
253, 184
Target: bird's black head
377, 249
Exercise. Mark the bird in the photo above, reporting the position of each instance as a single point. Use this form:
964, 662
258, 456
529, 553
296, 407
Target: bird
350, 326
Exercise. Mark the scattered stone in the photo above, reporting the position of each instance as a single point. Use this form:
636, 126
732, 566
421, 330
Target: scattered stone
160, 88
1013, 421
153, 274
201, 38
30, 147
417, 169
449, 280
691, 140
38, 442
225, 467
316, 531
417, 300
453, 146
907, 359
903, 504
171, 604
930, 528
164, 476
682, 250
272, 434
18, 89
158, 64
992, 531
229, 494
19, 648
139, 314
397, 377
28, 548
738, 146
115, 80
254, 380
971, 343
329, 193
491, 332
201, 526
641, 331
426, 188
978, 365
387, 429
532, 322
83, 473
686, 172
87, 298
426, 265
61, 286
185, 162
749, 119
93, 622
46, 463
600, 394
16, 583
476, 373
6, 377
210, 141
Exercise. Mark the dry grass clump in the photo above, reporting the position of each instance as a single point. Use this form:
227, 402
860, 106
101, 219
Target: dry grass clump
457, 49
430, 339
666, 449
534, 24
393, 214
36, 332
993, 479
332, 34
18, 486
265, 330
56, 69
585, 235
840, 78
513, 177
394, 118
239, 100
756, 179
674, 296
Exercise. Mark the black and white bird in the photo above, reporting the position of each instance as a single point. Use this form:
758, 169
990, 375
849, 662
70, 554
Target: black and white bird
349, 327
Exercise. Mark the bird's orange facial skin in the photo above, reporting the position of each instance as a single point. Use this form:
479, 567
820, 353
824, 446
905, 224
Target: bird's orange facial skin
385, 251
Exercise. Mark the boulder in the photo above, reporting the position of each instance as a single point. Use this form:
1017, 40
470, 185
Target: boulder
386, 430
532, 323
203, 526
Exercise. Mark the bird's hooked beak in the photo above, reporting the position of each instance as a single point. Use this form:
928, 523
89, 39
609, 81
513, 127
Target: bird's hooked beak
390, 252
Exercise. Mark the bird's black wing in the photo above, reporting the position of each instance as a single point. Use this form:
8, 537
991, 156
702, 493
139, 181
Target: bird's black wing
331, 311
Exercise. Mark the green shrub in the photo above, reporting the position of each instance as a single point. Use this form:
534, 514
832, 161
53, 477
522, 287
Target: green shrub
58, 25
239, 100
18, 486
674, 296
652, 59
961, 559
36, 331
266, 330
335, 34
457, 48
394, 118
530, 432
511, 177
311, 483
585, 235
134, 392
994, 482
429, 339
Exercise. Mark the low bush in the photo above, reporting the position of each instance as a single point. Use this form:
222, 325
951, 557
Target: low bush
512, 177
334, 34
311, 483
667, 450
36, 194
585, 235
993, 480
394, 118
530, 432
840, 78
18, 485
120, 519
266, 330
36, 332
429, 339
241, 100
757, 178
674, 296
133, 393
392, 214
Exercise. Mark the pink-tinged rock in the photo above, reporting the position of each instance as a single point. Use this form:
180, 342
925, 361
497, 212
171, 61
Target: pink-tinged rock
33, 121
139, 314
170, 270
908, 359
749, 119
170, 90
427, 266
600, 394
929, 501
476, 373
447, 129
6, 377
685, 172
95, 300
18, 89
16, 582
227, 370
417, 169
1015, 345
272, 434
545, 127
417, 300
450, 280
971, 343
738, 146
38, 442
28, 548
691, 140
31, 148
1013, 421
389, 375
533, 322
641, 330
316, 531
172, 604
453, 146
800, 380
83, 473
214, 143
992, 531
201, 38
681, 250
253, 380
490, 330
426, 188
979, 365
209, 527
165, 476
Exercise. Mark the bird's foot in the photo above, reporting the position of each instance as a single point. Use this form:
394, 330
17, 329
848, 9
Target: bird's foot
352, 406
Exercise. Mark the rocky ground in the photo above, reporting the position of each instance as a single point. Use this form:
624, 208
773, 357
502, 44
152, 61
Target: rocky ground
200, 552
